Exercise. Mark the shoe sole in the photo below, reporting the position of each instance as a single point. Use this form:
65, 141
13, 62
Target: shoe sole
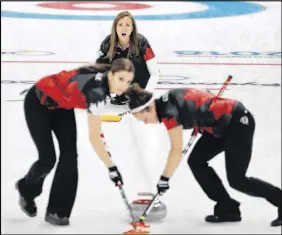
53, 222
214, 220
276, 223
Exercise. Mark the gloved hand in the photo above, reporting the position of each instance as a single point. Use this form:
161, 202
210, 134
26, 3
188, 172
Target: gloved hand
120, 100
115, 175
163, 185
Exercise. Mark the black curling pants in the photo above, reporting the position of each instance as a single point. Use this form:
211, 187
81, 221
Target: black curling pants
41, 122
237, 145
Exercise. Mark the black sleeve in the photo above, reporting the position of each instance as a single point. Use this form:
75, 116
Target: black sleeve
104, 48
145, 50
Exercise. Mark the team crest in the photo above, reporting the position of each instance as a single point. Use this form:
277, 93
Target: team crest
244, 120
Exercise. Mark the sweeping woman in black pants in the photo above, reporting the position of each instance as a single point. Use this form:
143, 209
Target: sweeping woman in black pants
49, 106
226, 126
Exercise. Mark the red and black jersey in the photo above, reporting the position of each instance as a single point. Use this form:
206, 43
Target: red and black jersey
146, 70
72, 89
145, 50
195, 108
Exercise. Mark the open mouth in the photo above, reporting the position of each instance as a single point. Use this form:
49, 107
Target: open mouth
123, 34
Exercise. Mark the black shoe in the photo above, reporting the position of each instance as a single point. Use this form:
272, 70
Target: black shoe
223, 218
225, 211
28, 206
54, 219
277, 222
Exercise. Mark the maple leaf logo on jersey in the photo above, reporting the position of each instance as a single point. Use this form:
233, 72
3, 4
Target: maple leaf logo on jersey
197, 96
169, 122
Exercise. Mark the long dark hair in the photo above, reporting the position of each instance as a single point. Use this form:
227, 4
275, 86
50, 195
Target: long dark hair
134, 43
138, 96
116, 66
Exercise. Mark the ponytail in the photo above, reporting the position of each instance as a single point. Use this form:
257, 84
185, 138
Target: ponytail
96, 68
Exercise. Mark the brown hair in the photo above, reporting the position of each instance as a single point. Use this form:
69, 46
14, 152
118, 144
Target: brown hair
133, 45
138, 96
116, 66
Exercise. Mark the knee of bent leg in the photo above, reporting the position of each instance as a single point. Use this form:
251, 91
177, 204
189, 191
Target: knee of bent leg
47, 161
234, 183
47, 165
194, 163
238, 182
